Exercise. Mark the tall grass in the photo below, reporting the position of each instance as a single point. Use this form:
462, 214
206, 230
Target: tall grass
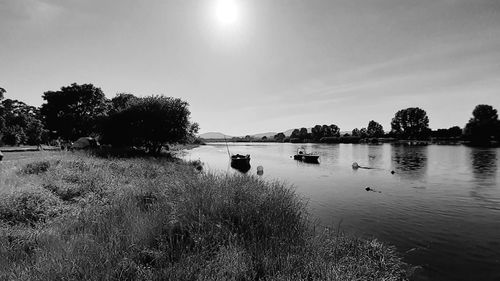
84, 218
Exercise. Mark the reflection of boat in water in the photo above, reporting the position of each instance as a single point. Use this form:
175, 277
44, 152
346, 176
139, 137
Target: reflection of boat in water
240, 162
306, 157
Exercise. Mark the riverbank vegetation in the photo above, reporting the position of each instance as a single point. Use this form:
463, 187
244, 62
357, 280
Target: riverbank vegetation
77, 111
77, 217
408, 125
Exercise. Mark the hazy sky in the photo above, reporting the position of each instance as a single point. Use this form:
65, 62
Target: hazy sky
262, 65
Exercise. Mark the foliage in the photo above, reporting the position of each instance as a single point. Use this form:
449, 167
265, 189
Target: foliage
484, 125
317, 133
13, 135
74, 111
279, 136
453, 132
411, 123
20, 123
35, 168
150, 122
161, 220
355, 132
363, 133
374, 130
121, 101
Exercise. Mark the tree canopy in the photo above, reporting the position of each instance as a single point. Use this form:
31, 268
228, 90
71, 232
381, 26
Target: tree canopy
20, 123
484, 125
374, 130
150, 122
411, 123
74, 111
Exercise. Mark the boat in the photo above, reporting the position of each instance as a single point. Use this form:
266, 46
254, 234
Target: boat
240, 162
306, 157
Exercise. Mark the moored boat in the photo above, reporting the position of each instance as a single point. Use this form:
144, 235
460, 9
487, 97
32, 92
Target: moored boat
306, 157
240, 162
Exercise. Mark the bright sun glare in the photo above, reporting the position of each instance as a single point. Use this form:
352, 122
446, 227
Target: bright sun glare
226, 12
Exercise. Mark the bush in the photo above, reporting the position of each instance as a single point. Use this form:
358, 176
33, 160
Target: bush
35, 168
149, 122
28, 207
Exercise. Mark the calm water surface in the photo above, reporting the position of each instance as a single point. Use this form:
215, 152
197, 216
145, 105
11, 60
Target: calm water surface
441, 208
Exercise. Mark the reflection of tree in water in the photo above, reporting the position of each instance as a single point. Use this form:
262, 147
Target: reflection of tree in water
484, 170
374, 156
484, 164
410, 161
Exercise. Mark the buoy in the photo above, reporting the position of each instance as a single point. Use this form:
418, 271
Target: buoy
368, 188
260, 170
392, 172
355, 165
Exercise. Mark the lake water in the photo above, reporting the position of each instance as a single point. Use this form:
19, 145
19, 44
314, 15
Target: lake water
441, 207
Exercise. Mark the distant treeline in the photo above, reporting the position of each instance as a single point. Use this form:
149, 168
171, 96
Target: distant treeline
408, 124
78, 111
150, 122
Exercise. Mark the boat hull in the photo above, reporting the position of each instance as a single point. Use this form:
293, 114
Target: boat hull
241, 163
307, 158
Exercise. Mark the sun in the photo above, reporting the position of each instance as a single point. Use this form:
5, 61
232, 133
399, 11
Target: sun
226, 12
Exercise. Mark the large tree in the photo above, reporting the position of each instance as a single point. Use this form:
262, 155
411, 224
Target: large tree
74, 111
121, 101
316, 132
295, 134
279, 136
330, 131
150, 122
20, 123
2, 92
410, 123
375, 130
484, 124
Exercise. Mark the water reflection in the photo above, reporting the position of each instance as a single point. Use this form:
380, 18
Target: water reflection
484, 164
450, 217
241, 167
375, 153
410, 161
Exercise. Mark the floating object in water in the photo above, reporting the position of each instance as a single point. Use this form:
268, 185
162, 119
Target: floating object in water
260, 170
306, 157
240, 162
392, 172
355, 165
372, 190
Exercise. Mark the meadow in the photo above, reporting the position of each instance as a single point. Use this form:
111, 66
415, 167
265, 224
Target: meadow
73, 216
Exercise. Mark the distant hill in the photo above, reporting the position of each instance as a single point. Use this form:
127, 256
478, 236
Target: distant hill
289, 132
214, 135
218, 135
267, 135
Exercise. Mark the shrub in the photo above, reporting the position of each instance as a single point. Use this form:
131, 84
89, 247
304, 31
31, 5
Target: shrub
149, 122
28, 207
35, 168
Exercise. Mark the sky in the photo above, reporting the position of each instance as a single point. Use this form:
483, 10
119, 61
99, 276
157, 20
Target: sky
253, 66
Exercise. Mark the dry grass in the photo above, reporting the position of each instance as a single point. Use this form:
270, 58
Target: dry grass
76, 217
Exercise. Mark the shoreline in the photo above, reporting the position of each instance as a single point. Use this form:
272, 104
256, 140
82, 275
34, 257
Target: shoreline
229, 226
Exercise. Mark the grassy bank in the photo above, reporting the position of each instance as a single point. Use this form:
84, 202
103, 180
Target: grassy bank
75, 217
